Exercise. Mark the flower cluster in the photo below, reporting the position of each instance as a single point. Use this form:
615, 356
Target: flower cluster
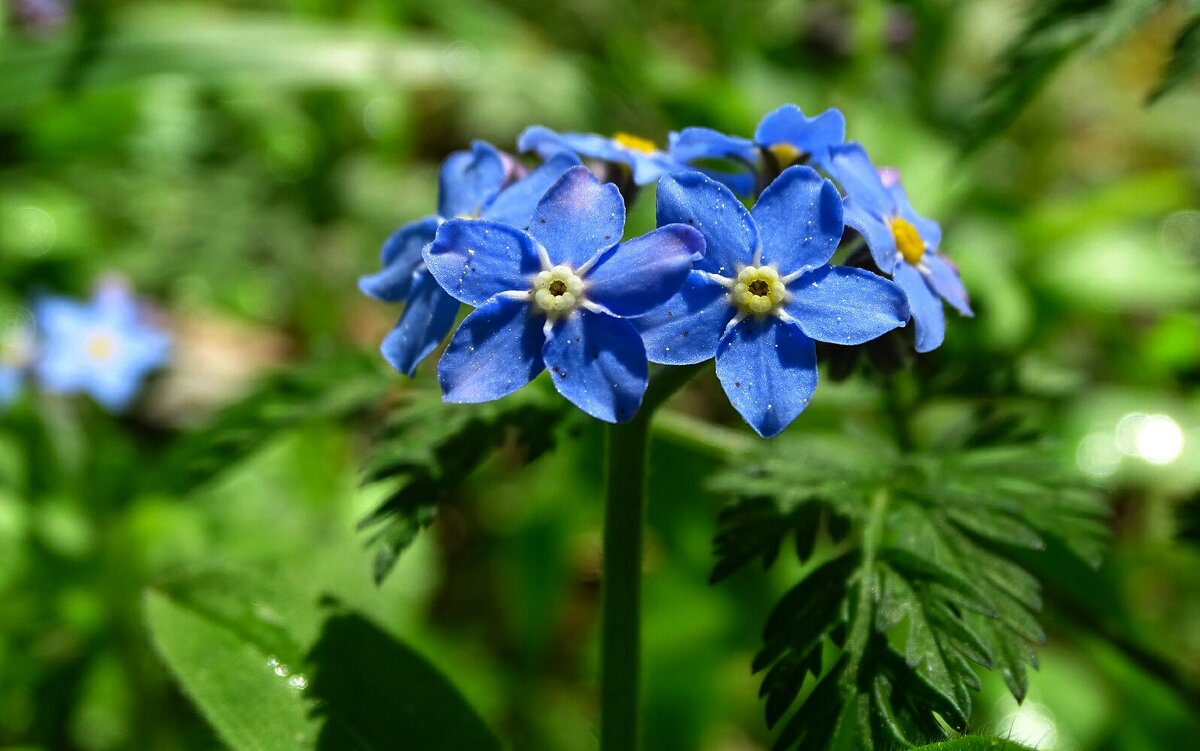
540, 256
104, 347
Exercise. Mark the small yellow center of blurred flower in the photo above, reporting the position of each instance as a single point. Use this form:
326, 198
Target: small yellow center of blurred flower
758, 290
100, 347
557, 291
636, 143
786, 154
908, 240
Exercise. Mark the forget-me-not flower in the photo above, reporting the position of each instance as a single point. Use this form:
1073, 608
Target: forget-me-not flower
104, 347
475, 184
903, 243
642, 156
16, 355
557, 297
783, 138
764, 290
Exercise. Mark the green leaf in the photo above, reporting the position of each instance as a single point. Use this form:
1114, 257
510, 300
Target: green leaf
1185, 59
379, 694
231, 674
976, 743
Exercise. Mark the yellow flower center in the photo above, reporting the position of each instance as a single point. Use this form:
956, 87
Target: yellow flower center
636, 143
908, 240
557, 291
786, 154
100, 347
758, 290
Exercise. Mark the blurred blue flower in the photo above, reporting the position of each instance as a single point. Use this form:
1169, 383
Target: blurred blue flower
557, 297
783, 138
642, 156
16, 354
903, 243
764, 290
478, 184
104, 347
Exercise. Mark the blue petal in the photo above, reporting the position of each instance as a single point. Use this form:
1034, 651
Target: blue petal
640, 274
688, 327
515, 204
813, 136
115, 388
944, 280
799, 218
427, 317
925, 305
547, 143
845, 305
768, 369
648, 168
577, 217
10, 385
853, 170
741, 183
599, 364
876, 233
729, 234
691, 144
469, 180
57, 317
399, 258
928, 229
476, 259
496, 350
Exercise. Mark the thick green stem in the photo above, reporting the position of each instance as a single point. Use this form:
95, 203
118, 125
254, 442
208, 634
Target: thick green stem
620, 594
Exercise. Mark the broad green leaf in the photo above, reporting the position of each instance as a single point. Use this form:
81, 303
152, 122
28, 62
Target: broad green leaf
975, 743
379, 694
249, 695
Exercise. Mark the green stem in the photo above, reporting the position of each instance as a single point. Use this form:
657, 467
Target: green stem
620, 594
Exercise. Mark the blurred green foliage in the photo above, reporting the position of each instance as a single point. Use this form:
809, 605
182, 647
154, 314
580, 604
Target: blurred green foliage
241, 162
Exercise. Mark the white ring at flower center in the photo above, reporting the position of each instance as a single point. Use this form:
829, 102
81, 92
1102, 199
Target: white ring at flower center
557, 291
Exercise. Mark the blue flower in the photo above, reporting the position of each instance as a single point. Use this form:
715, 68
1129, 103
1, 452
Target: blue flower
764, 290
783, 137
903, 243
645, 160
16, 354
557, 297
104, 348
472, 184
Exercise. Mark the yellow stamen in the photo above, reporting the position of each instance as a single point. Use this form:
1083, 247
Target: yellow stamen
100, 347
636, 143
557, 291
786, 154
908, 241
758, 290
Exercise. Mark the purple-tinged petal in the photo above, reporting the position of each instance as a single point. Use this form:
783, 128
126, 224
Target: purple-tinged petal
578, 216
638, 275
943, 277
875, 232
844, 305
799, 218
928, 229
468, 180
598, 362
688, 327
729, 233
399, 258
768, 369
476, 259
547, 143
926, 307
853, 170
813, 135
515, 204
424, 322
495, 351
691, 144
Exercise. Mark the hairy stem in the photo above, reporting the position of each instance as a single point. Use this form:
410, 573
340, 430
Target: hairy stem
620, 594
